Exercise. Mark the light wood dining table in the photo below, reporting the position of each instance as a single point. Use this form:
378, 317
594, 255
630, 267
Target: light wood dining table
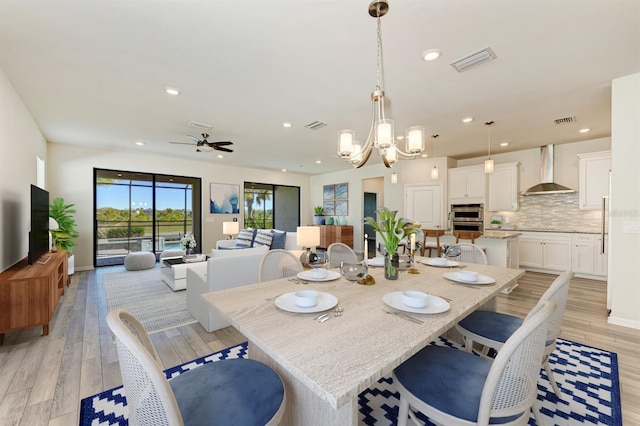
326, 365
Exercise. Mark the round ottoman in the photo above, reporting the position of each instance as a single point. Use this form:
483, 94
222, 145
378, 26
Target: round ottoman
139, 260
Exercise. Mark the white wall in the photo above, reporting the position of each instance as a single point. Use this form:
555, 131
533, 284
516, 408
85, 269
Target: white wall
21, 142
624, 248
71, 176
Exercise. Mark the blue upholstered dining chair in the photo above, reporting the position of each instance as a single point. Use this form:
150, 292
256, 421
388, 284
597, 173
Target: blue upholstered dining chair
453, 387
492, 329
226, 392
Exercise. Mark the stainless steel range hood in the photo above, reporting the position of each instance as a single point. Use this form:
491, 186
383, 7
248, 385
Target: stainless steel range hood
547, 186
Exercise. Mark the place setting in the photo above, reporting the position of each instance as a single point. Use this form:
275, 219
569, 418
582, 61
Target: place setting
306, 301
440, 262
416, 302
469, 277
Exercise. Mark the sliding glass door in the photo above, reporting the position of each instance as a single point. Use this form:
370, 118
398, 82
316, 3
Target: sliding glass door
269, 206
143, 212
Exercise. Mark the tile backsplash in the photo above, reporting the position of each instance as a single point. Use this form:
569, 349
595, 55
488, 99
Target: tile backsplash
553, 212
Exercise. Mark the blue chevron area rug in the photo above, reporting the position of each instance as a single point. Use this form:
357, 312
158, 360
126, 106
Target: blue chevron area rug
587, 376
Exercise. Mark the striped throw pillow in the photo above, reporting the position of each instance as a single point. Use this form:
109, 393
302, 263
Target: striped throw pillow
245, 238
263, 238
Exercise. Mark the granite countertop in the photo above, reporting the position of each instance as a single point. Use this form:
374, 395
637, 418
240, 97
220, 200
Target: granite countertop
564, 231
500, 235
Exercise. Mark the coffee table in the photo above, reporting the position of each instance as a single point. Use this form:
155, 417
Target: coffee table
174, 271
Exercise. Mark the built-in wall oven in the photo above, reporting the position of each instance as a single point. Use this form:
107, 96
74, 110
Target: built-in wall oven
467, 217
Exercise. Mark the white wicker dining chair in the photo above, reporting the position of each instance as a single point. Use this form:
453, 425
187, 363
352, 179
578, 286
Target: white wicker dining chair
492, 329
454, 388
278, 263
340, 252
468, 253
231, 391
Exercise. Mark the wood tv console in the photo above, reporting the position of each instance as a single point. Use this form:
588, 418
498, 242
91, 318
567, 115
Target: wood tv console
29, 294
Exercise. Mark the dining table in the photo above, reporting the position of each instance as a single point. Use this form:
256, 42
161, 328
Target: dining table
326, 365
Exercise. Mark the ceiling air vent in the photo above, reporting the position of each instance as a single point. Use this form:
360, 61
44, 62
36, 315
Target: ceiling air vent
200, 125
315, 125
474, 59
565, 120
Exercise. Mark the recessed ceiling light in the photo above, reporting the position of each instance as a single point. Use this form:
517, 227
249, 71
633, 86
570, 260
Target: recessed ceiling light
140, 143
172, 91
467, 119
220, 156
504, 144
431, 54
584, 130
399, 138
284, 170
425, 155
318, 162
286, 124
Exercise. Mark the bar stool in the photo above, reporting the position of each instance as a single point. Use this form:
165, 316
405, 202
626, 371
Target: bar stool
432, 233
467, 235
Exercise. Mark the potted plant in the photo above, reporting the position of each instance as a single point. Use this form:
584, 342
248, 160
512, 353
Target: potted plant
318, 218
495, 224
65, 235
392, 230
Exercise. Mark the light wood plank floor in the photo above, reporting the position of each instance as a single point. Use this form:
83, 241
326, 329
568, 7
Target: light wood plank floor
44, 378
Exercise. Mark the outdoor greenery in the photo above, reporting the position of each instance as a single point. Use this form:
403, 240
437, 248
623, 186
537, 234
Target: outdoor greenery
257, 218
134, 231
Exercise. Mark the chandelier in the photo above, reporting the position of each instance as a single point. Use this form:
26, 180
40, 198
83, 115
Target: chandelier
381, 132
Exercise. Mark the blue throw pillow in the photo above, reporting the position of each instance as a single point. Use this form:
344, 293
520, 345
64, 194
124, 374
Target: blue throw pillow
278, 240
245, 238
263, 238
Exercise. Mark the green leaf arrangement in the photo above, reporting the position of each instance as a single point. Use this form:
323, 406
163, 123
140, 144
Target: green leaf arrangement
66, 233
392, 229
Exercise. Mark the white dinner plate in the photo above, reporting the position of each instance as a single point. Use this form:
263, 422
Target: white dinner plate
435, 304
306, 275
287, 302
482, 279
376, 261
449, 264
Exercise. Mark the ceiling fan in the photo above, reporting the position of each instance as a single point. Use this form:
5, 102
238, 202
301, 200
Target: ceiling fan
203, 145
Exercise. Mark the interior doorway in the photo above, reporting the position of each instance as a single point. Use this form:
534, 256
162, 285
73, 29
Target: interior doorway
370, 203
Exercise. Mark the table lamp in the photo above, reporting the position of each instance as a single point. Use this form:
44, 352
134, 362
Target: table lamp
307, 237
230, 228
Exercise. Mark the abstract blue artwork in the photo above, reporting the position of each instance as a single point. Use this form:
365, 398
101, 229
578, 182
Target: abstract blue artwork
224, 198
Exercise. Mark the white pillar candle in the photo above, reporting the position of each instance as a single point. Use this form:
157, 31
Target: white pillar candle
413, 242
366, 247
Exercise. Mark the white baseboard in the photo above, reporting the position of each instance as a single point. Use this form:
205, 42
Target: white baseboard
624, 322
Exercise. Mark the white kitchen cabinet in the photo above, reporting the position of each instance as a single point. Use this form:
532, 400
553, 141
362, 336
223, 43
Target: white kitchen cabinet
586, 255
503, 188
593, 172
545, 251
466, 185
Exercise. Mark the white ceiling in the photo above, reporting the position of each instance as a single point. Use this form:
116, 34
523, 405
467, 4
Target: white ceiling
93, 72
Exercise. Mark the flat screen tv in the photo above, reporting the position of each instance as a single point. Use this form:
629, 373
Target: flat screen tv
39, 234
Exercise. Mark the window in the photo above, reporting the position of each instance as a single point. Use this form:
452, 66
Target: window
143, 212
269, 206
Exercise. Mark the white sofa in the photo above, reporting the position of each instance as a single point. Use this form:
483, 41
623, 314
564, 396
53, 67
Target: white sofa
226, 269
289, 244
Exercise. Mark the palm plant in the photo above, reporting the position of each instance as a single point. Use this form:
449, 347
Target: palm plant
64, 237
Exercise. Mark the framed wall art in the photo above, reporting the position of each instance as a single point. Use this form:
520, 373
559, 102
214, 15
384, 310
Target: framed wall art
224, 198
336, 199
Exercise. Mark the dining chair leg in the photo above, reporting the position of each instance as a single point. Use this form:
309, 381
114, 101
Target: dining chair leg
403, 412
552, 379
468, 344
536, 413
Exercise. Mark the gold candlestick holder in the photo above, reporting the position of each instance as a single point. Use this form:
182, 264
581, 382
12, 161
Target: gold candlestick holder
413, 269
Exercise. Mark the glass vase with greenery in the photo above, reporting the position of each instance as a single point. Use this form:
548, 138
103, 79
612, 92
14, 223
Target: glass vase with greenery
392, 229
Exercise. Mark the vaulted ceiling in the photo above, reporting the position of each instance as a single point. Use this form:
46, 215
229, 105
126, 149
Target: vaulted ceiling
94, 72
